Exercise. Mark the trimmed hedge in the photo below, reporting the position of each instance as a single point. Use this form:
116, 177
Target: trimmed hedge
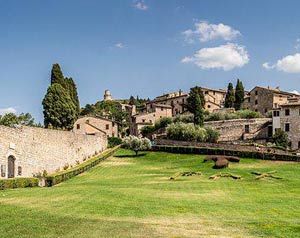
218, 151
18, 183
62, 176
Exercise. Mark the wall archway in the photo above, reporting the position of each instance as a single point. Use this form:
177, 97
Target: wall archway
11, 166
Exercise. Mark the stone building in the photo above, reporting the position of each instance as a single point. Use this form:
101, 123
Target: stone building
154, 113
263, 100
107, 95
214, 98
25, 151
176, 100
94, 125
286, 117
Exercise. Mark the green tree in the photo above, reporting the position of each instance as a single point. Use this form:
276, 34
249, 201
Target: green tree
136, 144
239, 95
57, 76
9, 119
280, 138
230, 97
59, 109
195, 105
72, 88
26, 119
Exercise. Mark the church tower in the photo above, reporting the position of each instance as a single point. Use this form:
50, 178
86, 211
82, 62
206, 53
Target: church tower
107, 95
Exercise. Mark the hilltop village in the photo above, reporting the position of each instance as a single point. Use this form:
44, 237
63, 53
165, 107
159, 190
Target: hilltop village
265, 117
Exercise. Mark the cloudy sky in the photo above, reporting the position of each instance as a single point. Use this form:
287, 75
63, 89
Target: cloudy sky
144, 48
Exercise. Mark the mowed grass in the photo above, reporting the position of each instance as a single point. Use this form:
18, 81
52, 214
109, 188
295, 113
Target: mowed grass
128, 196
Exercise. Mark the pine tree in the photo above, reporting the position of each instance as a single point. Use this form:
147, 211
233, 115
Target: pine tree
239, 95
230, 97
195, 104
59, 109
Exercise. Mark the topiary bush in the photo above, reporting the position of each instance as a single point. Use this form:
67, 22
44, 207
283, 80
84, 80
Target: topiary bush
18, 183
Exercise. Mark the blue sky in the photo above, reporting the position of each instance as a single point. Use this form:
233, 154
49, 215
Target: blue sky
144, 48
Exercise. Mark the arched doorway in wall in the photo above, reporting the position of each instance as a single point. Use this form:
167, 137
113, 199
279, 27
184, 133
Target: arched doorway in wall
11, 167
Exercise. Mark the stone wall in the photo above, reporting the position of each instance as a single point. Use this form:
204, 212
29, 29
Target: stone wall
36, 149
242, 129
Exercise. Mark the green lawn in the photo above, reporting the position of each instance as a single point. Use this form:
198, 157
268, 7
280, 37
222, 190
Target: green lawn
132, 197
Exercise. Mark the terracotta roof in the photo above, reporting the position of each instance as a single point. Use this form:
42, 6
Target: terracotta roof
276, 91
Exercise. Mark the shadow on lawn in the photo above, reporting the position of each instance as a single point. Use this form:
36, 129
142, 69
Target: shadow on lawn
130, 156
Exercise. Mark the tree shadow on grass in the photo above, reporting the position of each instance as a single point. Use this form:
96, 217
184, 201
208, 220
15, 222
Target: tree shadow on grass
130, 156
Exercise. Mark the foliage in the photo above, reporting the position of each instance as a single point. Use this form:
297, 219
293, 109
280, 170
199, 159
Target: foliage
61, 93
239, 95
59, 177
280, 138
186, 132
195, 104
241, 114
114, 141
163, 122
59, 109
136, 144
212, 135
230, 97
146, 130
11, 119
18, 183
188, 118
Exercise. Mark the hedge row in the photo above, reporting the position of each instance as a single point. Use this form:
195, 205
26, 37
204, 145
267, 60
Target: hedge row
62, 176
218, 151
18, 183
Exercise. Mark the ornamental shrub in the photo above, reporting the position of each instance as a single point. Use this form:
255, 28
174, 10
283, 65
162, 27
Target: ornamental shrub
136, 144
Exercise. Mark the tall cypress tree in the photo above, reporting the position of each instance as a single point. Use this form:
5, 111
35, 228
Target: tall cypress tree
195, 104
230, 97
61, 103
239, 95
59, 109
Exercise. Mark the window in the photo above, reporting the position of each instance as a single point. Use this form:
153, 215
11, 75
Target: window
256, 110
247, 128
107, 127
287, 127
3, 170
206, 92
183, 100
150, 121
287, 112
248, 99
256, 102
161, 109
266, 110
299, 112
78, 126
256, 92
208, 106
275, 113
113, 123
19, 170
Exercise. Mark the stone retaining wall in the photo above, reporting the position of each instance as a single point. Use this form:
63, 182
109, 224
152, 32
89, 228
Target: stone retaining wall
36, 149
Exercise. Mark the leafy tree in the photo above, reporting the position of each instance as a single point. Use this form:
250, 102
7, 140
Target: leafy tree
72, 88
230, 97
11, 119
239, 95
280, 138
59, 109
136, 144
195, 104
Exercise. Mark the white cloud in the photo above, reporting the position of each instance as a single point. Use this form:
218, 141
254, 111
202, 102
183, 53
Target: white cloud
141, 5
205, 32
4, 111
295, 92
119, 45
225, 57
288, 64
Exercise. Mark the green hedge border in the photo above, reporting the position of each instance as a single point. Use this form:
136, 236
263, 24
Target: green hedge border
218, 151
18, 183
54, 179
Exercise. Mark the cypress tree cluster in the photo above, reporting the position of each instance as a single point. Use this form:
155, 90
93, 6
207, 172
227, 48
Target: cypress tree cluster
61, 103
235, 98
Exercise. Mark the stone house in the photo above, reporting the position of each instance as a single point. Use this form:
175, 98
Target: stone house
154, 113
263, 100
94, 125
286, 117
214, 98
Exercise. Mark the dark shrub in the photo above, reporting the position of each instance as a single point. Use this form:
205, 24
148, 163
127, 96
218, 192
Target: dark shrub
114, 141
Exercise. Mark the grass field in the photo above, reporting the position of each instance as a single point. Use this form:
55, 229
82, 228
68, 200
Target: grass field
129, 196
